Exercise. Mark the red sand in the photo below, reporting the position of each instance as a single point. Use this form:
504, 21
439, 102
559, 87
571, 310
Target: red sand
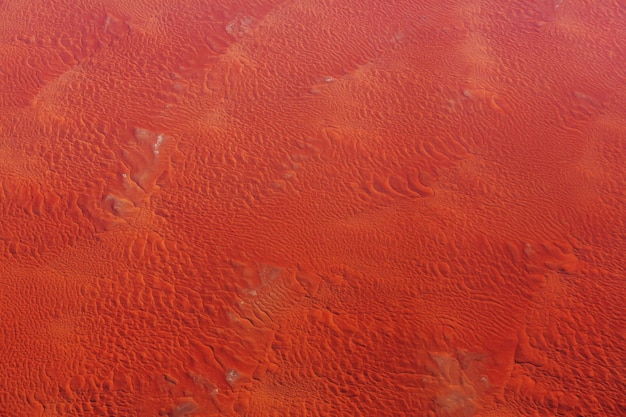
333, 208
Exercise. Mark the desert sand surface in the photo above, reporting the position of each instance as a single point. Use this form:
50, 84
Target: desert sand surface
312, 208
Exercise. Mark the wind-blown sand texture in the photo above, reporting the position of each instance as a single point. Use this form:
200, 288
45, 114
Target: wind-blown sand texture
312, 208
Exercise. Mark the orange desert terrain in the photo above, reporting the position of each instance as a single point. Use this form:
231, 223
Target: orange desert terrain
312, 208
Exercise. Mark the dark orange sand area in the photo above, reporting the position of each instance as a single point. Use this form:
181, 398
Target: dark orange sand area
312, 208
